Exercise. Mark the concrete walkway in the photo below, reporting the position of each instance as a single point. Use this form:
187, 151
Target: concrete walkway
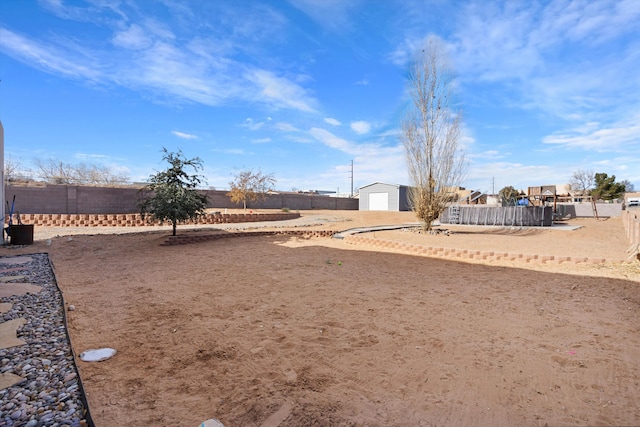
351, 231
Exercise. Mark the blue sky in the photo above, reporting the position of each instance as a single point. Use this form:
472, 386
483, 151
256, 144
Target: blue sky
301, 88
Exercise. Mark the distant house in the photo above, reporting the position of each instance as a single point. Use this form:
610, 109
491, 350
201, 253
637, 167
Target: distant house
632, 199
384, 197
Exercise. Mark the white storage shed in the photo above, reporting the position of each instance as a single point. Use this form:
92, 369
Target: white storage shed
384, 197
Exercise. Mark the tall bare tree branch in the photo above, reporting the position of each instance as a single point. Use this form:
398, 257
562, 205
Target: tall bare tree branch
431, 131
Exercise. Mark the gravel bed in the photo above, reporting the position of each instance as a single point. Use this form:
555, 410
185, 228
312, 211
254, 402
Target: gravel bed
51, 393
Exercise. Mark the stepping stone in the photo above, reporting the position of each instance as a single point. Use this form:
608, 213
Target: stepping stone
11, 278
5, 307
8, 333
7, 380
14, 289
8, 270
211, 423
16, 260
97, 355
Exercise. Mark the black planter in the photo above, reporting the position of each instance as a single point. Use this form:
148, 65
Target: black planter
21, 234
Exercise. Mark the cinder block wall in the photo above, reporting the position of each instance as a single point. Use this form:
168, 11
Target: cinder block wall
605, 210
77, 199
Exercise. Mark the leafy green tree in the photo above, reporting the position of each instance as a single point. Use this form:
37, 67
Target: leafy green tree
606, 187
250, 185
507, 194
172, 195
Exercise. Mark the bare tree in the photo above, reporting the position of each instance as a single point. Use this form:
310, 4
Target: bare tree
628, 185
249, 186
55, 171
431, 135
582, 181
14, 171
58, 172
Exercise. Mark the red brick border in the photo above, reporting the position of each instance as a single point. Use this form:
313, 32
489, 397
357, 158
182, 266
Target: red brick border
468, 254
187, 238
135, 220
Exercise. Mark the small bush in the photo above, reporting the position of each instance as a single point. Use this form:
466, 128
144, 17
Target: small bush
285, 209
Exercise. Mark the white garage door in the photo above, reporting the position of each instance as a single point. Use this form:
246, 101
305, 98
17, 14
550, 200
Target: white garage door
378, 201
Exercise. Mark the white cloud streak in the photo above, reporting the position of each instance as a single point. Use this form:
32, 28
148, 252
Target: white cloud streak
373, 162
596, 137
334, 15
184, 135
170, 62
361, 127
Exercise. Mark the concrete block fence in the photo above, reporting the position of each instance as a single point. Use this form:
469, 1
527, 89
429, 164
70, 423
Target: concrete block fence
85, 199
465, 254
135, 220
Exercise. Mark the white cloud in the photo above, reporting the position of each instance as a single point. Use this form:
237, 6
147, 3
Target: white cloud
172, 61
233, 151
331, 140
49, 57
334, 15
251, 124
261, 140
184, 135
332, 121
133, 37
279, 91
286, 127
372, 162
490, 155
563, 58
518, 175
597, 137
367, 149
361, 127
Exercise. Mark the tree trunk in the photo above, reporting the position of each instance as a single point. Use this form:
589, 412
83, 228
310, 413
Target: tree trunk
175, 225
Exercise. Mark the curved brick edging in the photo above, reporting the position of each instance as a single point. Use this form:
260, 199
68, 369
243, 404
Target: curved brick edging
135, 220
184, 239
469, 254
411, 248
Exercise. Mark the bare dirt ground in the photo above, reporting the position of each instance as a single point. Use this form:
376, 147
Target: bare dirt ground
284, 331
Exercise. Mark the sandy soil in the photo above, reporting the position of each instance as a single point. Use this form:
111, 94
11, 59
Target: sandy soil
279, 331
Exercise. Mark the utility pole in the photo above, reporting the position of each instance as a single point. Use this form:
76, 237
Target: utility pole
351, 178
493, 185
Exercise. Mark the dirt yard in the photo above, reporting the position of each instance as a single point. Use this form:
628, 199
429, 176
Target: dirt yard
283, 331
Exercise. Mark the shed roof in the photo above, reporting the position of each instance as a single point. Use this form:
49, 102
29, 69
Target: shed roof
383, 183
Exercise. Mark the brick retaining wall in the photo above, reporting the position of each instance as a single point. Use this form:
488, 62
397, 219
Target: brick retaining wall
404, 247
135, 220
430, 251
183, 239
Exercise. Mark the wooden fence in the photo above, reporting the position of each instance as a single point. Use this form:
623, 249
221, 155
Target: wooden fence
631, 221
